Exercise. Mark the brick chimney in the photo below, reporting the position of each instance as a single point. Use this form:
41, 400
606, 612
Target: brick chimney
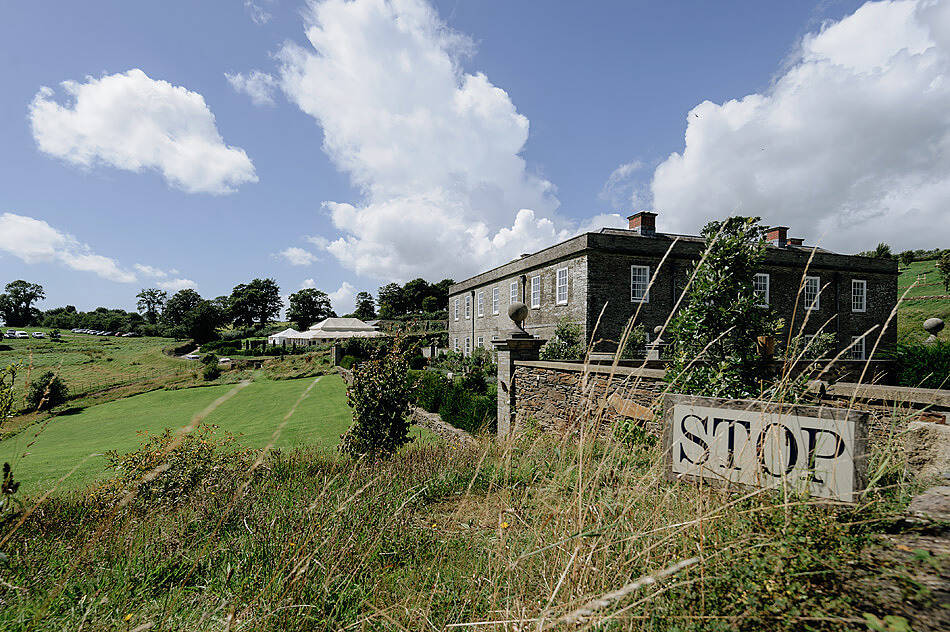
643, 222
778, 236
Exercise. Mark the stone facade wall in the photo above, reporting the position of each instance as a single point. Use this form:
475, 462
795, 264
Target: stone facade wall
541, 321
560, 395
609, 266
600, 289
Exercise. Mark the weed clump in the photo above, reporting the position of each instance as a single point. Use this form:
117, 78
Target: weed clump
167, 467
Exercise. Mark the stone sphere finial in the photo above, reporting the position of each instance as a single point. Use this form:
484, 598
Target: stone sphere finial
932, 326
518, 312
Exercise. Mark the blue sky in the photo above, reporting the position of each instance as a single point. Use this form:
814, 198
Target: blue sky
343, 145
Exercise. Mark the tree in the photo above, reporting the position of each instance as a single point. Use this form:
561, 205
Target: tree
722, 317
186, 314
309, 306
16, 303
379, 396
943, 266
258, 301
441, 291
365, 306
430, 304
883, 251
150, 303
414, 292
179, 306
907, 257
391, 301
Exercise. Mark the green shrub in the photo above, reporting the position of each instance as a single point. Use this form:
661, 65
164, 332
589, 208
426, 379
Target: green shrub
167, 467
635, 345
566, 343
209, 359
430, 389
47, 392
723, 316
379, 396
211, 372
348, 361
924, 366
822, 345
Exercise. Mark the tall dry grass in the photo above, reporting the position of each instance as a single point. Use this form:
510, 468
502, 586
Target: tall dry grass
571, 530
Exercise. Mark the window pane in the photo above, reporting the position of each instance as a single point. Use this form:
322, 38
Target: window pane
562, 286
639, 282
536, 291
812, 288
859, 295
762, 289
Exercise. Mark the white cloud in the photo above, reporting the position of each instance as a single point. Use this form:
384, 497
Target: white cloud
132, 122
150, 271
173, 285
343, 300
850, 145
258, 85
298, 256
307, 283
625, 189
34, 241
257, 13
433, 150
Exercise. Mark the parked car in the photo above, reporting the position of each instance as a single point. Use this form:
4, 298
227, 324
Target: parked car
22, 334
39, 334
193, 356
11, 333
223, 360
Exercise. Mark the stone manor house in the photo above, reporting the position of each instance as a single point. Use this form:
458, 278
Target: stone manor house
611, 270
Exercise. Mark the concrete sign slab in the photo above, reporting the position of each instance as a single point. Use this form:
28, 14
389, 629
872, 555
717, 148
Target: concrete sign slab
819, 450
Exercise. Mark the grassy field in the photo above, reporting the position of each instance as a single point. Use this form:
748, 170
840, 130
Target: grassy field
90, 363
53, 448
912, 313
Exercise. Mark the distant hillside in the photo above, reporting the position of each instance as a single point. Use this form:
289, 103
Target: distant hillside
918, 304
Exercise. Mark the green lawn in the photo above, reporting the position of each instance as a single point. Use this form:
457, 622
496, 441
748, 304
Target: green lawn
912, 313
254, 412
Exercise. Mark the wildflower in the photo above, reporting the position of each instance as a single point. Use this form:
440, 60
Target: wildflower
433, 525
505, 525
291, 544
127, 617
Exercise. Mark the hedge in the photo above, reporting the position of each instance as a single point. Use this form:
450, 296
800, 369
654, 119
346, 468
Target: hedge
924, 366
454, 402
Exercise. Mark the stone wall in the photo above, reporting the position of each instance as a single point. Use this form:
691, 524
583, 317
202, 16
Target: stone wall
559, 395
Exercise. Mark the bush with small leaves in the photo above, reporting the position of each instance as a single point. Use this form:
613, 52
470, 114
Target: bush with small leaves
379, 396
47, 392
211, 372
566, 343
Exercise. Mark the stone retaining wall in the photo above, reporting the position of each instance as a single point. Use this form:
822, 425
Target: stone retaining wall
558, 395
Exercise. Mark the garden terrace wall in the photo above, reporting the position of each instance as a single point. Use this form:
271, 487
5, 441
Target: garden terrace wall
556, 395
